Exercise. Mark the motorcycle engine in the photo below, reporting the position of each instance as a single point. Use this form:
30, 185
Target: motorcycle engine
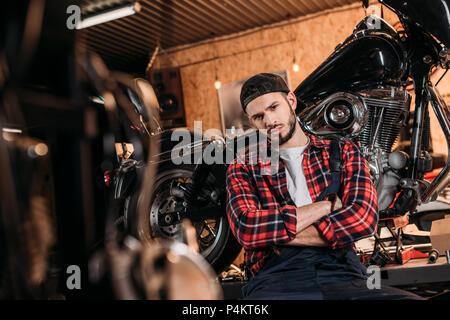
372, 118
388, 111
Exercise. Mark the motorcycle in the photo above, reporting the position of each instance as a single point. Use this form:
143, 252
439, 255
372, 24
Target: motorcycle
194, 191
360, 93
120, 263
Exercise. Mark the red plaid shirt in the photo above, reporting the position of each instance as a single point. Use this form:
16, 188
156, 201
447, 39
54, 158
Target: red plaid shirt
262, 214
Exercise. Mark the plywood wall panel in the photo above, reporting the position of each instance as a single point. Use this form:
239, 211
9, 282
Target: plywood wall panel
200, 100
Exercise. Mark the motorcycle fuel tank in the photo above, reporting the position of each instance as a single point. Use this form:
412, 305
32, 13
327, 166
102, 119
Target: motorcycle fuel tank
372, 54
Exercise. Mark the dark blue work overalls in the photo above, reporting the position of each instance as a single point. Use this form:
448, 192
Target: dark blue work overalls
317, 273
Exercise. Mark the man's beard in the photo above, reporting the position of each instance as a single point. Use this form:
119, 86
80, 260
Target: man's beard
283, 139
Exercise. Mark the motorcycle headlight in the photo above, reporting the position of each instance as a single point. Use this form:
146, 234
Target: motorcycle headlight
339, 114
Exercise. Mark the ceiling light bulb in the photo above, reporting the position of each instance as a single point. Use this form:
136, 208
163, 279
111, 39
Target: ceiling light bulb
41, 149
296, 67
109, 15
217, 84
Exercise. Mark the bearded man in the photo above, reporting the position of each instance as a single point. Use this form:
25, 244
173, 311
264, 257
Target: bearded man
298, 225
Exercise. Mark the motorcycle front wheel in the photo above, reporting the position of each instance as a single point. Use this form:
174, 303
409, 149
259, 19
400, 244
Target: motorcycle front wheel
215, 240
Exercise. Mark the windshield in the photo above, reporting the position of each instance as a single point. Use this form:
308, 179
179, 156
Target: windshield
432, 15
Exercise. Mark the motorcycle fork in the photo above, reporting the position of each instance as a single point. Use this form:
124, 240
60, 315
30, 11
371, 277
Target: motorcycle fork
442, 111
421, 105
426, 92
196, 182
422, 61
411, 192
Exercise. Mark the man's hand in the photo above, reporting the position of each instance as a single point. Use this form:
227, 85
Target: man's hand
307, 215
307, 234
336, 202
308, 237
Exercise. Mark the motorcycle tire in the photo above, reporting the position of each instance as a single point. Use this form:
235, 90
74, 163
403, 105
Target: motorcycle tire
221, 252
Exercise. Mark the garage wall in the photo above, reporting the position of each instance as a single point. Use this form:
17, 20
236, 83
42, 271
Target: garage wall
311, 39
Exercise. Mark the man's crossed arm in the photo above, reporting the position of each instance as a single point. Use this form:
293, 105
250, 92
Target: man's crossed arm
307, 233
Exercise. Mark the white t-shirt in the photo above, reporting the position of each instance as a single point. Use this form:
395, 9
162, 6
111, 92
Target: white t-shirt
296, 181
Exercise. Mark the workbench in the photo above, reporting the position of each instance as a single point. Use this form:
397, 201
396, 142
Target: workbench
416, 272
